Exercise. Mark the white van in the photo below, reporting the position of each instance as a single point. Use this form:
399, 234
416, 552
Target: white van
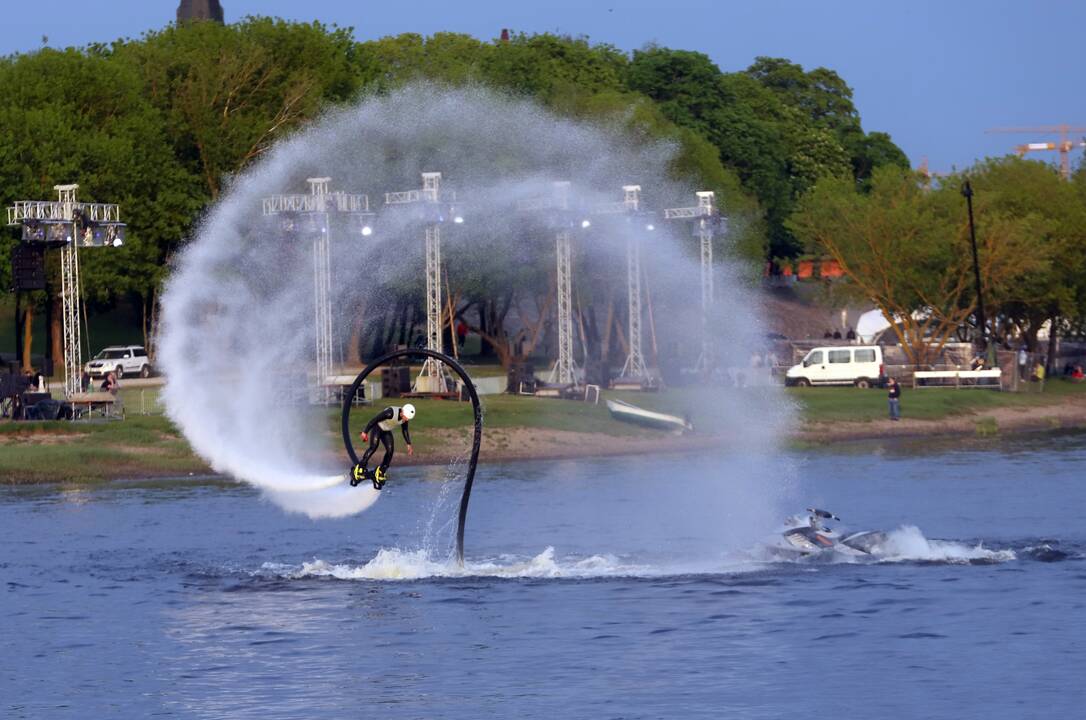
859, 365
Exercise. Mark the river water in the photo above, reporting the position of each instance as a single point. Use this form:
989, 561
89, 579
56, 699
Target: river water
609, 588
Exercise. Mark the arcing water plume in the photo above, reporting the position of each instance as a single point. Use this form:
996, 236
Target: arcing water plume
238, 318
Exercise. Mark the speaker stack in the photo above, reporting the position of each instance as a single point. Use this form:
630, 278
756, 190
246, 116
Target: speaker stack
28, 267
395, 380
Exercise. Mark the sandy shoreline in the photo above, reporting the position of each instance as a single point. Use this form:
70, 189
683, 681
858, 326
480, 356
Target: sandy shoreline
1069, 415
511, 444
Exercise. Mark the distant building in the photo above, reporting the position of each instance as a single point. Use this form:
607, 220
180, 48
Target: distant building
199, 10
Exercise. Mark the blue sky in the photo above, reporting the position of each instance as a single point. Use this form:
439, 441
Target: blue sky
933, 74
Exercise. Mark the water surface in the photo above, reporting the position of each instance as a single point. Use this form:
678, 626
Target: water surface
629, 588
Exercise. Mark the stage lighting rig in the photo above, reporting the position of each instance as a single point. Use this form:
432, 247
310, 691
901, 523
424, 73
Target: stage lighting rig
68, 224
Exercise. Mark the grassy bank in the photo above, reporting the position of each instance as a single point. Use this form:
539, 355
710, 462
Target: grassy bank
847, 404
146, 443
149, 444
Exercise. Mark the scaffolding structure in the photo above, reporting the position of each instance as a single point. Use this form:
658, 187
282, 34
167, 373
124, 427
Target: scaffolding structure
564, 370
705, 214
316, 208
431, 378
69, 224
635, 366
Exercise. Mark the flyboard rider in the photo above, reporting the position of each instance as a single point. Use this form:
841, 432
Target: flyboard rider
379, 431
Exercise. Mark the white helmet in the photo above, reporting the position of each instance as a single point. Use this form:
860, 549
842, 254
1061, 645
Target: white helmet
408, 411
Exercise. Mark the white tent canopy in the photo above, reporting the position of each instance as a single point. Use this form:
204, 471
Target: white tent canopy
870, 324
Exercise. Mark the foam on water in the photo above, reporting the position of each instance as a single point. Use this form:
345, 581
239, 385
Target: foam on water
314, 496
397, 564
907, 543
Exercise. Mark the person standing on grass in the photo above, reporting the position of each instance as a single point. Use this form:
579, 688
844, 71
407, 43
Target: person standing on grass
894, 398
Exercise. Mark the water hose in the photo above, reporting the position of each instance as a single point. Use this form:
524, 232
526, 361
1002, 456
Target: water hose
477, 410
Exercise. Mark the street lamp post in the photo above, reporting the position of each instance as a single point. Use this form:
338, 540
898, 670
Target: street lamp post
967, 191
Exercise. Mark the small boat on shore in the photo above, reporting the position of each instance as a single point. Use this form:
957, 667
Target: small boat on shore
626, 412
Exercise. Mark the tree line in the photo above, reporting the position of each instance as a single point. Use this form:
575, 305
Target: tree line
905, 245
160, 123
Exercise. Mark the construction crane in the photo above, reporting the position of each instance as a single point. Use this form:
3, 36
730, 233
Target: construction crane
1064, 146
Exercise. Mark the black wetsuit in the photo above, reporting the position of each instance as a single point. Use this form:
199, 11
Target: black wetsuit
378, 435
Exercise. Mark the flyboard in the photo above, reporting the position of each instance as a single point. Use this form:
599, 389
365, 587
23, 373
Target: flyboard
477, 410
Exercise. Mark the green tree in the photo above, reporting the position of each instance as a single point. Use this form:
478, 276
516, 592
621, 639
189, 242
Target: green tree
228, 92
781, 128
81, 116
824, 100
907, 251
1034, 192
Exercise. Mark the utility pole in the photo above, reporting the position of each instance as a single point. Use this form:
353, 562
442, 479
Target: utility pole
982, 324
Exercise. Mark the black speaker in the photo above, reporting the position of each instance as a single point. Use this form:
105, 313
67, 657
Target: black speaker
395, 380
42, 364
520, 377
28, 267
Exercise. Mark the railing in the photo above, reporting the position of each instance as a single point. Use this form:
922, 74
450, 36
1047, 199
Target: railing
685, 213
972, 378
338, 201
54, 210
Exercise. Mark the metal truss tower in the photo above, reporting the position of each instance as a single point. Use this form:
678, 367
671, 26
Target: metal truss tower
70, 296
635, 361
564, 371
432, 370
316, 207
431, 378
69, 223
322, 283
704, 212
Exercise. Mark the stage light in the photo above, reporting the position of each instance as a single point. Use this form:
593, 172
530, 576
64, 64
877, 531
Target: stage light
586, 224
459, 220
367, 231
650, 227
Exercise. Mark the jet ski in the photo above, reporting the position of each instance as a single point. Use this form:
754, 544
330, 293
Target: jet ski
810, 536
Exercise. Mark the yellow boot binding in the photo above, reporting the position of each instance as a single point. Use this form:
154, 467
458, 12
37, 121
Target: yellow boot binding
379, 478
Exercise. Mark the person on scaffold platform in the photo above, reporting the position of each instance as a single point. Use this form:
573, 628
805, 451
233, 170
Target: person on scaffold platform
378, 431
